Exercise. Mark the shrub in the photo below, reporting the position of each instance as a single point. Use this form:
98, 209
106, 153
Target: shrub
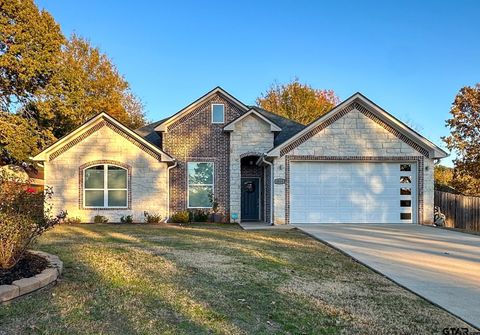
126, 219
74, 220
152, 218
24, 215
180, 217
100, 219
198, 216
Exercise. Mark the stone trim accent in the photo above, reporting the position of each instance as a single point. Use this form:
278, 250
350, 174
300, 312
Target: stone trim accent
251, 153
134, 141
99, 162
97, 127
343, 112
419, 160
26, 285
76, 140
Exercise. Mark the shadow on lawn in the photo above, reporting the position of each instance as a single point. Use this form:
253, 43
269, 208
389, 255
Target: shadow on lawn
189, 298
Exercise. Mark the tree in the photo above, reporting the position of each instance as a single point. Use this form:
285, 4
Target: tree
464, 139
298, 102
50, 85
85, 84
21, 138
30, 43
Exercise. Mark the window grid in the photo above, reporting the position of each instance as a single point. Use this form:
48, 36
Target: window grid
201, 185
105, 188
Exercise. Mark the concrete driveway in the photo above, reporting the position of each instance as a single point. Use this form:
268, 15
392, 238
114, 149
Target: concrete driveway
440, 265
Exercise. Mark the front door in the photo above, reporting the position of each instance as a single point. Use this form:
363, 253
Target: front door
250, 199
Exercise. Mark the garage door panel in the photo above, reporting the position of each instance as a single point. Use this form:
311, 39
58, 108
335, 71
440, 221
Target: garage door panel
349, 192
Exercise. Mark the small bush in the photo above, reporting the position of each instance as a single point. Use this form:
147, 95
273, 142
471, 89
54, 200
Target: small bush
198, 216
152, 218
24, 216
126, 219
74, 220
100, 219
180, 217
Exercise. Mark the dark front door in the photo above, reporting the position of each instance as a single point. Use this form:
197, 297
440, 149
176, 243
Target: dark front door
250, 199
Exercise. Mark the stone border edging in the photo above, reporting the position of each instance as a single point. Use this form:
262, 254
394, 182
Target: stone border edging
26, 285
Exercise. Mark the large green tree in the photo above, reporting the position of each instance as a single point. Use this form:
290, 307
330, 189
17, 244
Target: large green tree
297, 101
464, 139
49, 84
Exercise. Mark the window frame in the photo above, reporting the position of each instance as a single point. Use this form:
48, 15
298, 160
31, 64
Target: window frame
223, 114
212, 185
105, 188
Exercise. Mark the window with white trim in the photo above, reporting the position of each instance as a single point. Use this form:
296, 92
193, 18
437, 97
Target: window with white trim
200, 184
105, 186
218, 113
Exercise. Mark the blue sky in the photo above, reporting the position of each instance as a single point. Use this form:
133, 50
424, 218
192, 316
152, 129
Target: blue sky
410, 57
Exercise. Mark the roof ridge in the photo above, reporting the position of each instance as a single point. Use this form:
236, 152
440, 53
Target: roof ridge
275, 114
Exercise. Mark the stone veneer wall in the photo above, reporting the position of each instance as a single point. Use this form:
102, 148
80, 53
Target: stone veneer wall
354, 135
194, 138
251, 136
148, 176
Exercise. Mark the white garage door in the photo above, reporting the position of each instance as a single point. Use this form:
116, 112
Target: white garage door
352, 192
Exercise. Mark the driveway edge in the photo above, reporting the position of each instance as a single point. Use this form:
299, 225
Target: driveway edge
475, 327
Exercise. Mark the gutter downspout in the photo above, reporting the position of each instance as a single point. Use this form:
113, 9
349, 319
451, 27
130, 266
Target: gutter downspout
271, 187
168, 188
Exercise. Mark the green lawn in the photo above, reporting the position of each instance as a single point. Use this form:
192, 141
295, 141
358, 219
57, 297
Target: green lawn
203, 279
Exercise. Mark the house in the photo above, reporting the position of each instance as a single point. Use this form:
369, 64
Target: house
355, 164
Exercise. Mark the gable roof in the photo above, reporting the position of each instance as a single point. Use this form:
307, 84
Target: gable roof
163, 126
358, 100
289, 127
231, 126
42, 156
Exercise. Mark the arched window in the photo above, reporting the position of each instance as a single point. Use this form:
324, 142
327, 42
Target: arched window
105, 186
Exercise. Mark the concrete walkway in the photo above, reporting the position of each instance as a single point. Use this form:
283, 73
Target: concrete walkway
262, 225
440, 265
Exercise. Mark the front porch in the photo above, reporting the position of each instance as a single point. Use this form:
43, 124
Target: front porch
251, 191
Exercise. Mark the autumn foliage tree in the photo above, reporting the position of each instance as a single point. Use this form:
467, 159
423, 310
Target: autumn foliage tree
49, 84
298, 102
464, 139
86, 82
30, 44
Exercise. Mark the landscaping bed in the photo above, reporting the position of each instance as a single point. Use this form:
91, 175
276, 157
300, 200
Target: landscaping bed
29, 266
212, 279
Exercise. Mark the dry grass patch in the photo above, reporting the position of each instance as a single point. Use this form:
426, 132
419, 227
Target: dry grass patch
204, 279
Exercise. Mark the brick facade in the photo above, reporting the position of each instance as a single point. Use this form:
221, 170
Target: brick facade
354, 134
192, 138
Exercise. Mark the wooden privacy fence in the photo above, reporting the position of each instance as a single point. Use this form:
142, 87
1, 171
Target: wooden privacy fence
461, 211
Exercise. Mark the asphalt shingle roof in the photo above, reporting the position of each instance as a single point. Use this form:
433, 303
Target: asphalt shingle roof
148, 133
289, 128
